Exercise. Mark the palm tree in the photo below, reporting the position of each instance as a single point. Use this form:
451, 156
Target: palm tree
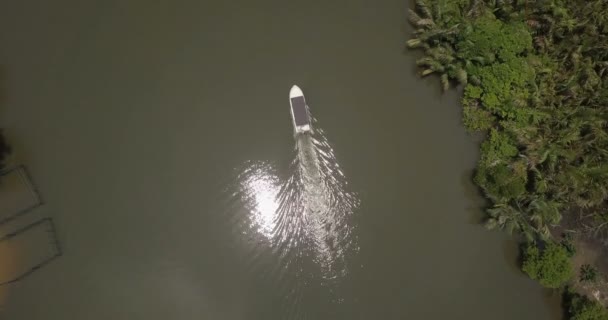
423, 7
420, 22
544, 212
560, 121
437, 41
506, 217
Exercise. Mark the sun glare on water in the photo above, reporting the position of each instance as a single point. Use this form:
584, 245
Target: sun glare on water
262, 189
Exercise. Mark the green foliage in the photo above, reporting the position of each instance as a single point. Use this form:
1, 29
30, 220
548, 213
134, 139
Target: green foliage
471, 93
535, 76
495, 52
498, 148
501, 182
537, 82
588, 273
503, 82
477, 119
492, 39
499, 173
551, 266
582, 308
568, 244
511, 219
438, 25
474, 117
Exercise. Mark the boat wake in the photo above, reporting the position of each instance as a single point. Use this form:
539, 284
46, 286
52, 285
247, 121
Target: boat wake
304, 220
324, 205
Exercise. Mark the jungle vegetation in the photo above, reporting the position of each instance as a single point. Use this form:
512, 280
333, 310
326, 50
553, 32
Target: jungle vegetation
551, 266
579, 307
534, 81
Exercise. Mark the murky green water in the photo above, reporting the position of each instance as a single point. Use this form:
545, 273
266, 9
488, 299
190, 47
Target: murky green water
158, 133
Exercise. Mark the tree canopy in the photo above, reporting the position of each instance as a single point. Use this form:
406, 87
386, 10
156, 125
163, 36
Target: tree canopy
535, 82
535, 78
582, 308
550, 266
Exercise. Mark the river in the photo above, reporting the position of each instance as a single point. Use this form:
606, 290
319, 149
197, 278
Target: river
158, 134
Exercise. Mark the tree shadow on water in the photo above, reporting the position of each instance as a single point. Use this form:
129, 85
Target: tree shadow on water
476, 203
512, 250
553, 300
512, 255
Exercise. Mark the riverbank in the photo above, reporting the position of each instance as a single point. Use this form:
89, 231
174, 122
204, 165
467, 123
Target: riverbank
589, 250
535, 77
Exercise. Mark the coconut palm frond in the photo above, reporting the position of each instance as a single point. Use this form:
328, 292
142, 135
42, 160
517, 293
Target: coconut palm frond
437, 7
413, 17
462, 76
426, 72
425, 23
426, 61
442, 57
475, 80
414, 43
423, 7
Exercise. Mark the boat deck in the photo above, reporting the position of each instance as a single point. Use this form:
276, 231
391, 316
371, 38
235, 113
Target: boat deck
300, 113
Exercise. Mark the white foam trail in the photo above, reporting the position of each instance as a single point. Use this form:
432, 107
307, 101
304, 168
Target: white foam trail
305, 220
315, 206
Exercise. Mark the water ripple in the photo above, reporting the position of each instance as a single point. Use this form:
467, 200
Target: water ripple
304, 220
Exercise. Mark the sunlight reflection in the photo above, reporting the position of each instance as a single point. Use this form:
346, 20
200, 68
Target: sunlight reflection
262, 188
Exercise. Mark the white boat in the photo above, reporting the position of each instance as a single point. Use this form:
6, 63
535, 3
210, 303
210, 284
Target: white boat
299, 111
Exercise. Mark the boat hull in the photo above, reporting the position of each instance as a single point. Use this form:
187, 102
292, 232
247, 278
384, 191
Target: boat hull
300, 114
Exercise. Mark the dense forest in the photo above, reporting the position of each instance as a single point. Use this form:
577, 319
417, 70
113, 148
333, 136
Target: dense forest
534, 80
